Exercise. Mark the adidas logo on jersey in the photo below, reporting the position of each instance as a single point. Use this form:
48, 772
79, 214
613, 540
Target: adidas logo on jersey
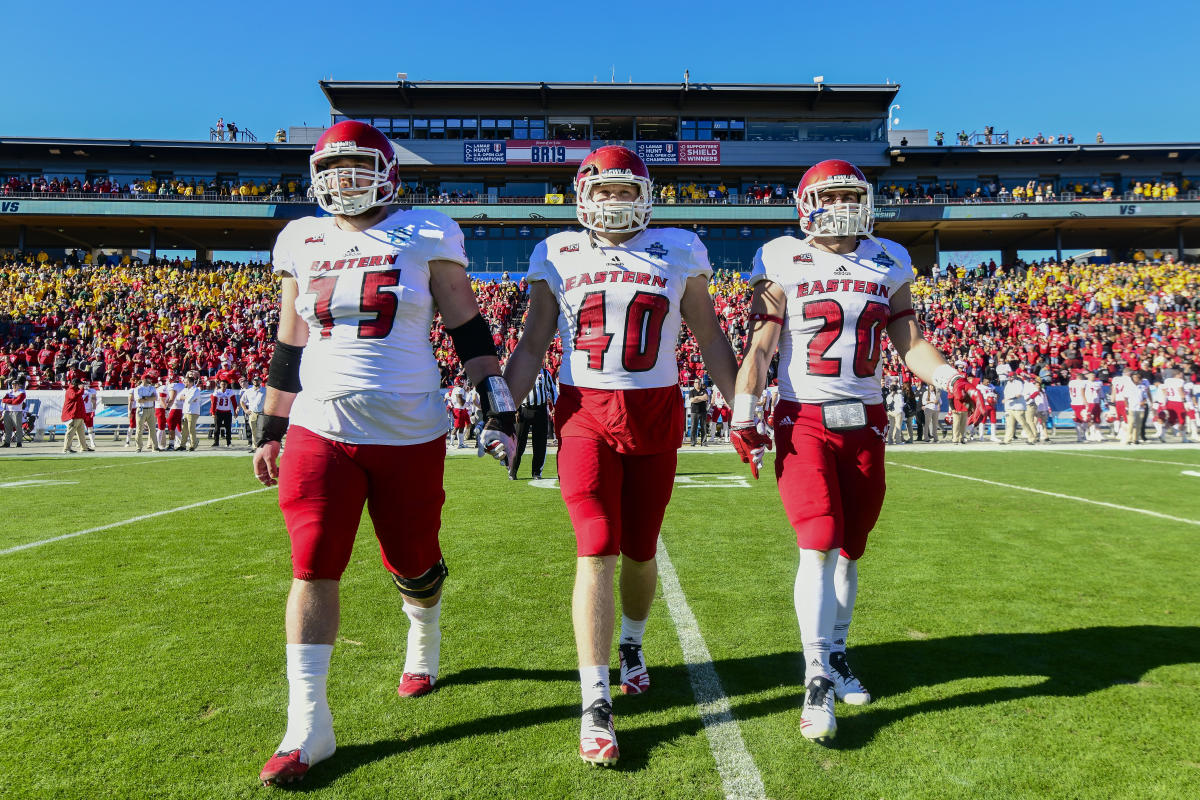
616, 261
785, 421
841, 270
353, 251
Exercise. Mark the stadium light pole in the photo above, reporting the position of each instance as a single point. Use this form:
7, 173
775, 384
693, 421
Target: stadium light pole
889, 116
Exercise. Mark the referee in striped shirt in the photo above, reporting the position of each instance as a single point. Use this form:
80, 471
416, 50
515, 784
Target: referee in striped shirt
534, 414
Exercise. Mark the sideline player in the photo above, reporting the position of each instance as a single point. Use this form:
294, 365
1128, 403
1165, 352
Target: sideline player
616, 293
1076, 390
826, 300
369, 425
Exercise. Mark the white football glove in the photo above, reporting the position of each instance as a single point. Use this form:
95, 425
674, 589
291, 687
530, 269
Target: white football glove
495, 443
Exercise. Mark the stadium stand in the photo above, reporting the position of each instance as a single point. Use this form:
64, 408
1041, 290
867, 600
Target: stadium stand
111, 324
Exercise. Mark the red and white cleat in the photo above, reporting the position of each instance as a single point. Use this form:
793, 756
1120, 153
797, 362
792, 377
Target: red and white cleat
597, 739
414, 684
635, 679
284, 767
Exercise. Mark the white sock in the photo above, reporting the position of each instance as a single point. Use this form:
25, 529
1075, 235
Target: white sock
424, 639
816, 609
310, 723
845, 586
632, 630
593, 684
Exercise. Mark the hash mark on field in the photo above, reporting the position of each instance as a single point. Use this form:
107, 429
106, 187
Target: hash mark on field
738, 772
130, 521
1147, 512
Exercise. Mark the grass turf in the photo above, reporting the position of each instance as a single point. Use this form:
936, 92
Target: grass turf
1018, 645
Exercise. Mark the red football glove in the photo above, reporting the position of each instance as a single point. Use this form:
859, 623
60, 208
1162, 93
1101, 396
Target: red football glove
751, 444
967, 395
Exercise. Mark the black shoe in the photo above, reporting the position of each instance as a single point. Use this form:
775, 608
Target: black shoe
170, 448
537, 476
6, 444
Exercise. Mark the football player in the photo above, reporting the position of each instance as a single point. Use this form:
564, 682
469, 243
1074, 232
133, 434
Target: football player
616, 293
826, 301
354, 376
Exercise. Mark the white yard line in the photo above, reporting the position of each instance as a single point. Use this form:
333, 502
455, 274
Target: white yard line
85, 469
1049, 494
1126, 458
130, 521
739, 775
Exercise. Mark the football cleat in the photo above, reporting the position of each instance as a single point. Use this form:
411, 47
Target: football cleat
284, 767
846, 685
635, 679
597, 739
817, 721
415, 684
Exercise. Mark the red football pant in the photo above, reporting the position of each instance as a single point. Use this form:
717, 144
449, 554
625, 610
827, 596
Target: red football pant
323, 485
831, 482
1080, 415
175, 420
160, 418
616, 501
1093, 413
1174, 412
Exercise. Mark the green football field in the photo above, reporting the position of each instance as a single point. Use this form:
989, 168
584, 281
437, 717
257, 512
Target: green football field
1019, 643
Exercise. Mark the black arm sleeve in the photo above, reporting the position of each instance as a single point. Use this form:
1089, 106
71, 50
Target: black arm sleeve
472, 339
284, 373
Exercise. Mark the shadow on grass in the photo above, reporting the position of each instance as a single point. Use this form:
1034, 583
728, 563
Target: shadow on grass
1073, 663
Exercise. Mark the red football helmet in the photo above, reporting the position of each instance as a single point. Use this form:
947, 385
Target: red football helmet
835, 219
612, 164
353, 139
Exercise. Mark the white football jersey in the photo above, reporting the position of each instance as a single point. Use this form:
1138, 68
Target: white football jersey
619, 315
89, 400
1076, 388
1117, 390
177, 387
365, 296
1091, 391
837, 312
162, 395
1173, 389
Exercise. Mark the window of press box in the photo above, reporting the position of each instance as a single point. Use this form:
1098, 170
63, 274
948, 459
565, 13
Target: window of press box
495, 128
401, 128
570, 130
529, 128
708, 129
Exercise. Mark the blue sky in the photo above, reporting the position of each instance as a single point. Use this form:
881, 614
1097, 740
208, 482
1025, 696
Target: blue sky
141, 70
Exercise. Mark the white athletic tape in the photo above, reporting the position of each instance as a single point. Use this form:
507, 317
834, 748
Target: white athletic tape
130, 521
739, 775
1049, 494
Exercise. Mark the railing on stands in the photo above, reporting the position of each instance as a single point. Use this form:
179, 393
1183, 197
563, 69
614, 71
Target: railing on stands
240, 135
432, 199
983, 137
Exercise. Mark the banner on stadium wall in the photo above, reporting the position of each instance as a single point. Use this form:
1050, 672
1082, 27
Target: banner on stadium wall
483, 152
680, 152
555, 199
525, 151
547, 151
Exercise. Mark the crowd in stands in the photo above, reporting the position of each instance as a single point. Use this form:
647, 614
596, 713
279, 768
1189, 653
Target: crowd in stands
167, 188
1032, 191
111, 324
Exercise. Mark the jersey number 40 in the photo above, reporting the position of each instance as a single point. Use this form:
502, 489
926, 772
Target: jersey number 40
373, 299
643, 330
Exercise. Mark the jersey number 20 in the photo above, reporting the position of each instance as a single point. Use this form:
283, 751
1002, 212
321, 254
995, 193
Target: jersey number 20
868, 333
643, 330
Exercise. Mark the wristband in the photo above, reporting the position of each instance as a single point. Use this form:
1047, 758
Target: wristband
743, 408
273, 429
944, 376
766, 318
495, 397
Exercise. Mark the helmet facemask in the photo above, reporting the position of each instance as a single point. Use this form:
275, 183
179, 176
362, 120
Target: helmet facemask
366, 187
613, 216
836, 219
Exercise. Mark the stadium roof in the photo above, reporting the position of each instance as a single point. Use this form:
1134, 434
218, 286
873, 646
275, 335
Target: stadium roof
544, 93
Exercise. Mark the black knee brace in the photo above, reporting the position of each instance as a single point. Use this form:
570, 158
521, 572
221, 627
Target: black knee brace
424, 586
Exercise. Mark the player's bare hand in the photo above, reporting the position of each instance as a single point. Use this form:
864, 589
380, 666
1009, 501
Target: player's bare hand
266, 463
